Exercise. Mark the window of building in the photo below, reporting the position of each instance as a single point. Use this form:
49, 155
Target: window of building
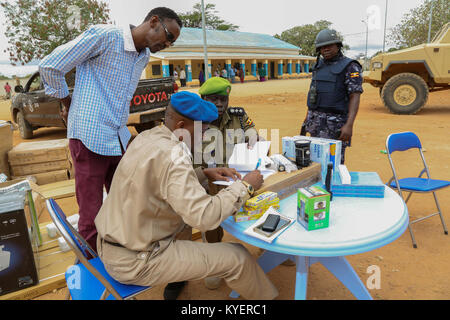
156, 70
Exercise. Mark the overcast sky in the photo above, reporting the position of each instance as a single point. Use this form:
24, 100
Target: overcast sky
272, 17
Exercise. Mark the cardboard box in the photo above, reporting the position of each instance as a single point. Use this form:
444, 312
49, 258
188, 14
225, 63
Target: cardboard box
313, 207
39, 152
322, 151
30, 169
53, 264
49, 177
334, 148
288, 148
17, 258
286, 184
362, 184
34, 205
241, 216
6, 144
255, 207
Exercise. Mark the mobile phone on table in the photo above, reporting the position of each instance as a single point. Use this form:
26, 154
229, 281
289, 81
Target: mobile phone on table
271, 223
282, 223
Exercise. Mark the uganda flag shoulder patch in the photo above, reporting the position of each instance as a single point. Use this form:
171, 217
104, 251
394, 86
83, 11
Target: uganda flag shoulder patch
354, 74
249, 122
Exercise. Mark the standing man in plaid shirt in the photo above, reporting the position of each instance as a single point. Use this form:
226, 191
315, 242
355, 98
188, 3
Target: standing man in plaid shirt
109, 61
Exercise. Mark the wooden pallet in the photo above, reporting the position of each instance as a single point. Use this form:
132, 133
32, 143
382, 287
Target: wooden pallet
57, 190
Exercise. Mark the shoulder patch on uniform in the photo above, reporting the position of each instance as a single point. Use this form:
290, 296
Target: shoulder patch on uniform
235, 111
354, 74
249, 122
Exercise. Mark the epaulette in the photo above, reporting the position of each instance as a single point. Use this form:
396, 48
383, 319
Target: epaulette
236, 111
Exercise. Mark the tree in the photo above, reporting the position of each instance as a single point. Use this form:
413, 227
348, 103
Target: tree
305, 36
193, 19
34, 28
375, 54
413, 28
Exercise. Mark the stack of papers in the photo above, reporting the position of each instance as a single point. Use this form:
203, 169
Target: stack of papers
245, 160
250, 230
265, 174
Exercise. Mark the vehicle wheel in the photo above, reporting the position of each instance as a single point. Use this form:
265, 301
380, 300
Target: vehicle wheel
26, 131
146, 126
405, 93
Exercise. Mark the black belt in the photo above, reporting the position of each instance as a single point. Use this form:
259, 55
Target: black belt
114, 244
330, 110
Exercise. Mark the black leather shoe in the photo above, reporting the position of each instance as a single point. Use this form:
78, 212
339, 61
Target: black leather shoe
173, 290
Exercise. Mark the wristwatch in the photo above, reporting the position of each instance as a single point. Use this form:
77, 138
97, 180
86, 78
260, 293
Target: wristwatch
249, 187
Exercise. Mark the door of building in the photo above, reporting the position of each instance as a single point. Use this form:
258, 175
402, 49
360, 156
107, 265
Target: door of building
272, 70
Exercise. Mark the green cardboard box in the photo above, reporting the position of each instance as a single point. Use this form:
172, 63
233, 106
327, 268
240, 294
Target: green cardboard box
313, 207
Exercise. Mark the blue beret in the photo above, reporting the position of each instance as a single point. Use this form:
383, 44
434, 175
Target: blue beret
191, 106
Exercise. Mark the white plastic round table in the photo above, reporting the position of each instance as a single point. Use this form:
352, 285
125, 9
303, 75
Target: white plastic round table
356, 225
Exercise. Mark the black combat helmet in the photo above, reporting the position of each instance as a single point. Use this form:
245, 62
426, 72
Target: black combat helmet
326, 37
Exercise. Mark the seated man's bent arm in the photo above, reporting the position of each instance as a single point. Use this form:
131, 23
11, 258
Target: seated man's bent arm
189, 199
200, 175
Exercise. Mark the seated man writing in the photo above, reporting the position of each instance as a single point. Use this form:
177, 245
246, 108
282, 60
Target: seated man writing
156, 197
234, 126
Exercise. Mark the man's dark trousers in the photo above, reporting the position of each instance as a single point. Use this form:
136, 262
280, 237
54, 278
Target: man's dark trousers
92, 172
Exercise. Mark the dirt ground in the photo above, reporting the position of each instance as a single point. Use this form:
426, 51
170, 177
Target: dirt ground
406, 273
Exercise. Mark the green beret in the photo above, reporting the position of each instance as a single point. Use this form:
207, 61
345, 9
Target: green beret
215, 85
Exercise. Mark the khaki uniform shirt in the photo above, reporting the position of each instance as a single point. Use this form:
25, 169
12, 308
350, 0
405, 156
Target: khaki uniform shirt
155, 192
228, 124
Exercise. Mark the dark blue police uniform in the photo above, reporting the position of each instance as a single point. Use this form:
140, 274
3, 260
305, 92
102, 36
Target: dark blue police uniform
334, 80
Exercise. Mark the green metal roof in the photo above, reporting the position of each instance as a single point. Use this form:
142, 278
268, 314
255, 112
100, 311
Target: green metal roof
215, 38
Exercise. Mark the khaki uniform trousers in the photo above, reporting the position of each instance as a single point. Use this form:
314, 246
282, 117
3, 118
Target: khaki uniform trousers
216, 235
185, 260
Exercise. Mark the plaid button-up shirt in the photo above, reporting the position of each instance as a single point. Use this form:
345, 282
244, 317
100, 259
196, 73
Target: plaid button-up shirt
108, 69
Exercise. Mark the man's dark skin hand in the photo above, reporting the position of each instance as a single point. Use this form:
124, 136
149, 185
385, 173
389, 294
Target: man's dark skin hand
65, 106
347, 128
254, 178
221, 174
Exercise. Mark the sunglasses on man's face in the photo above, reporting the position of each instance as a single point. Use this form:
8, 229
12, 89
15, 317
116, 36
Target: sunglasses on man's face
169, 36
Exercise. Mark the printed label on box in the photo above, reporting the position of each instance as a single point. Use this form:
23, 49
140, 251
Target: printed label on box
313, 207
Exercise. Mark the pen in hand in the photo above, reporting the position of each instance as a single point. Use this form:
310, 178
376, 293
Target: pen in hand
257, 165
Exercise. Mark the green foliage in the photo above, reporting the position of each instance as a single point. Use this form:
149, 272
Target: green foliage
376, 53
304, 36
413, 28
34, 28
193, 19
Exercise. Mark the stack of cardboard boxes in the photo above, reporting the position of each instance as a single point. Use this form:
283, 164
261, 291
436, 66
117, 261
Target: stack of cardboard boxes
47, 161
322, 150
6, 143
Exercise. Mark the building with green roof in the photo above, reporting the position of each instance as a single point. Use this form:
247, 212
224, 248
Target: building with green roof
252, 52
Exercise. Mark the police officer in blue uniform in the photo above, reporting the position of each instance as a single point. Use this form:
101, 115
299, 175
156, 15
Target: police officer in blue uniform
334, 94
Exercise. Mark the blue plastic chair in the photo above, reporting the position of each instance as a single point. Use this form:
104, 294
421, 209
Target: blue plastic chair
87, 279
401, 142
